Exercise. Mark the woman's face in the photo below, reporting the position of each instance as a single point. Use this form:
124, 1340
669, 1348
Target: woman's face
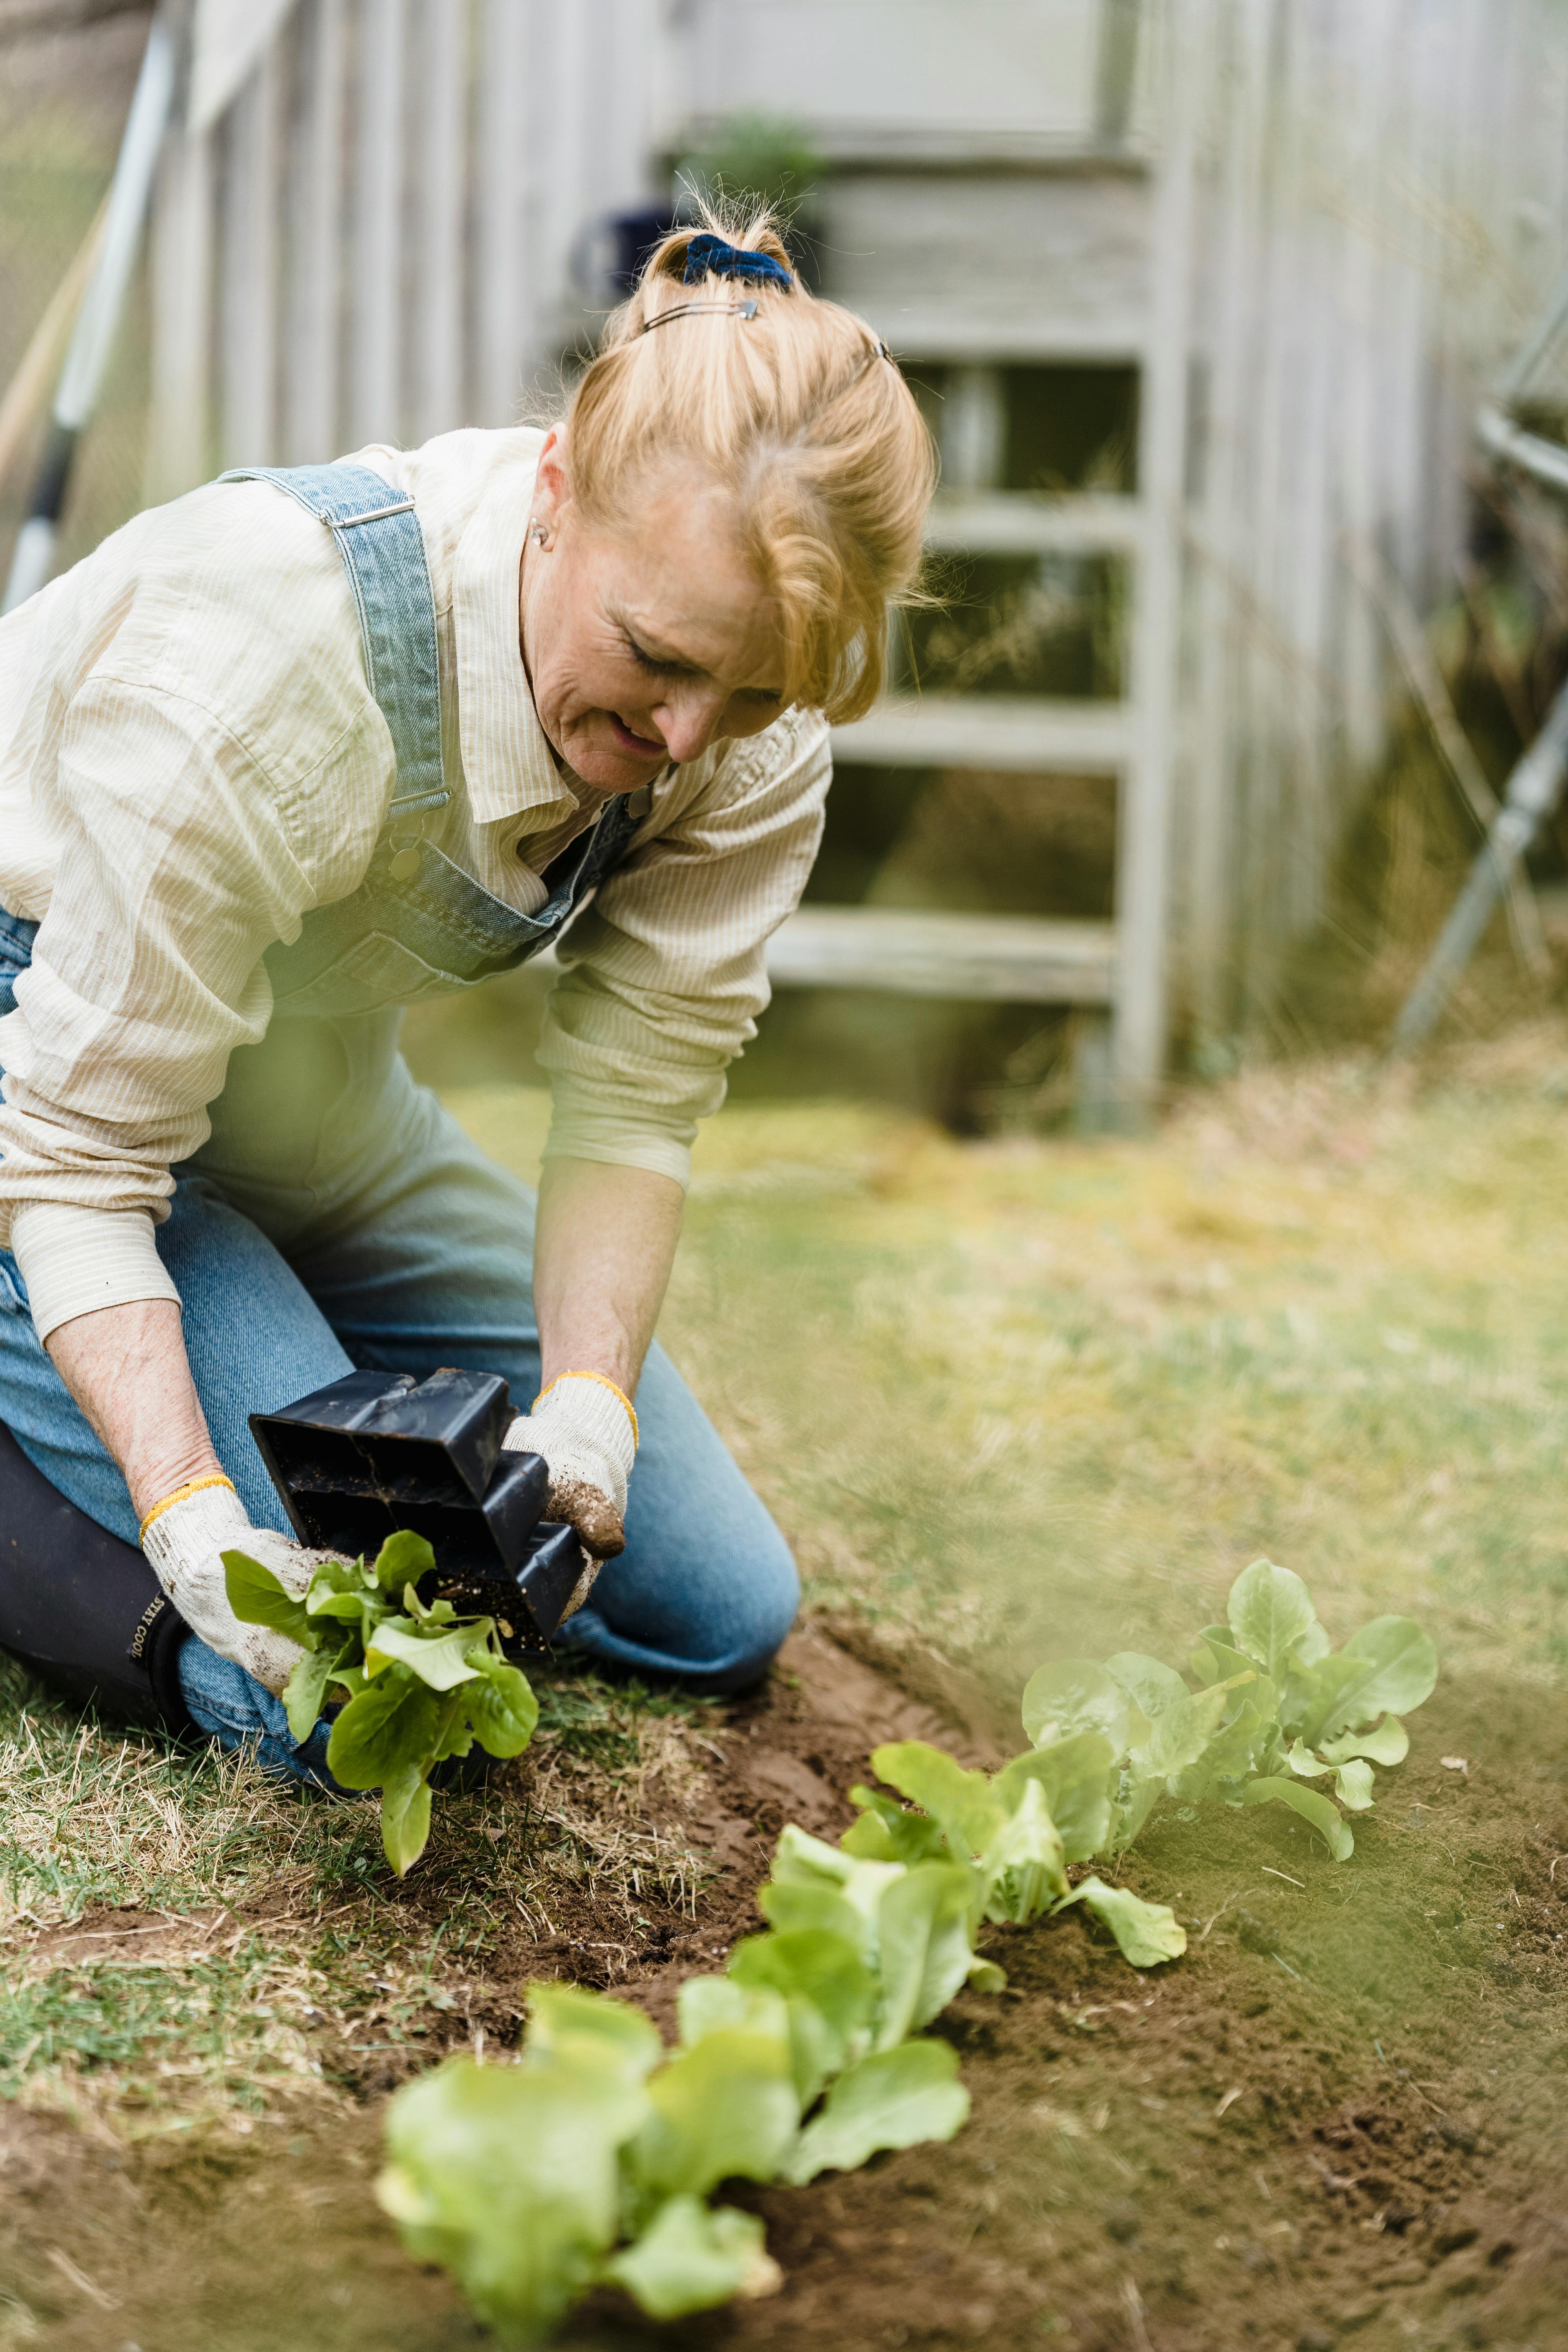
646, 642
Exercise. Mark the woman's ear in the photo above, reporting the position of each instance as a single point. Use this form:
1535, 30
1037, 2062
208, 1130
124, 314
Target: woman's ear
553, 480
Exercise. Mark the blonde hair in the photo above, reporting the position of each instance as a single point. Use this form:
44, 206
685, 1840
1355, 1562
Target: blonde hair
799, 413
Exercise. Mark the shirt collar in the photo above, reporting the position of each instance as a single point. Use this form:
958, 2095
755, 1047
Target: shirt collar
508, 764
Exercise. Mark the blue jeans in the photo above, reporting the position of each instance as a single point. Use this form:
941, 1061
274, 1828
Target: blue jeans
403, 1248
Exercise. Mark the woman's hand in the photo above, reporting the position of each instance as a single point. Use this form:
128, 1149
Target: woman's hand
185, 1539
585, 1430
126, 1369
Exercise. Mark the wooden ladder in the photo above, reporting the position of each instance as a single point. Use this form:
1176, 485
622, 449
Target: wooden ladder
1115, 229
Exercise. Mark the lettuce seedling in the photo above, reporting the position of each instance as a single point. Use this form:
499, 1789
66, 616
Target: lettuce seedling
1276, 1706
422, 1683
1001, 1835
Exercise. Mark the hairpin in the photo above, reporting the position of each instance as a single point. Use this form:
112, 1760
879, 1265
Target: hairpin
692, 309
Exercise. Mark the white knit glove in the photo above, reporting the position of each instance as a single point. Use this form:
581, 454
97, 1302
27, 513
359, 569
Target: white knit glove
184, 1539
587, 1432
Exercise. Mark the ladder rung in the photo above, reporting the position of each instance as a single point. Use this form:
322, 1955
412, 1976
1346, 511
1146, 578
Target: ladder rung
1074, 739
1019, 524
1011, 959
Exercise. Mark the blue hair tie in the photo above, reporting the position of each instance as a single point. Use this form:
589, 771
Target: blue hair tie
708, 256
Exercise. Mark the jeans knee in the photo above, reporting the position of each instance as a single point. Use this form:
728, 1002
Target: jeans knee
232, 1707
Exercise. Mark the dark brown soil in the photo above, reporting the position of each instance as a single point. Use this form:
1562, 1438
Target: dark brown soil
1339, 2120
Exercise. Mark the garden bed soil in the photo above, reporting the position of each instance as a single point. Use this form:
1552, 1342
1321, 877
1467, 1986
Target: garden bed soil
1337, 2121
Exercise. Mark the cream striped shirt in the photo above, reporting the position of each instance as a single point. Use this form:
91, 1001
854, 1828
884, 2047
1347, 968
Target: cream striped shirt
191, 760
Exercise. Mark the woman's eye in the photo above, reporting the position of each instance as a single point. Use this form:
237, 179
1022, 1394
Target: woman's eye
647, 661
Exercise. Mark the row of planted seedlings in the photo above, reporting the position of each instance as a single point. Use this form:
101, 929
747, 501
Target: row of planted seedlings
592, 2157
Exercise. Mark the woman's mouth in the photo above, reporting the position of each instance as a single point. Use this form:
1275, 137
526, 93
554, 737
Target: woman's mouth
644, 747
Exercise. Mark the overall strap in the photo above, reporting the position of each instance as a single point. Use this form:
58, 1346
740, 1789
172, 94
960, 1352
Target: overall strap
382, 551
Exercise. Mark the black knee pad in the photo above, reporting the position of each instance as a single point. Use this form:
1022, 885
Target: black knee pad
82, 1608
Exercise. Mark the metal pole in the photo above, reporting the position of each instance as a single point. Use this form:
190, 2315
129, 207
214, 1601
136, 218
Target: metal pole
1533, 791
93, 334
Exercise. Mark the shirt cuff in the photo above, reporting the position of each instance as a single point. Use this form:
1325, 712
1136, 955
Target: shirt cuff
582, 1130
74, 1260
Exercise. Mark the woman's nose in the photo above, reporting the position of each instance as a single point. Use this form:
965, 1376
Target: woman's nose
688, 723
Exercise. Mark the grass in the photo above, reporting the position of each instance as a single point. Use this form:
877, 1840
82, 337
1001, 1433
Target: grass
184, 1941
1008, 1398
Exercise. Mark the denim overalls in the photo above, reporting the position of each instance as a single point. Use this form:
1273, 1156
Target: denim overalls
417, 927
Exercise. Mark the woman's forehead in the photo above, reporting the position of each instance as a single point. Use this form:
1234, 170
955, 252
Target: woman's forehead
680, 576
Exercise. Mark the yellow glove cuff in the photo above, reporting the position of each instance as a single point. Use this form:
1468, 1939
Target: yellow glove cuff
604, 1384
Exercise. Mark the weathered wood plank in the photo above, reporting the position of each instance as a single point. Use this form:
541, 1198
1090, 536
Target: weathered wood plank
1144, 832
1079, 738
248, 272
183, 232
1010, 959
1028, 524
375, 285
316, 227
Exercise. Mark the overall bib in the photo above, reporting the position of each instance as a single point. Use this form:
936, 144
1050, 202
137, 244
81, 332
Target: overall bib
338, 1217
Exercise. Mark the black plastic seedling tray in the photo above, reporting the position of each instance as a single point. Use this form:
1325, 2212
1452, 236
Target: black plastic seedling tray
378, 1451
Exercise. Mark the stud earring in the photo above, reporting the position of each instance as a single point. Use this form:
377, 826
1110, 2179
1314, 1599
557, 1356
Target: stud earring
539, 532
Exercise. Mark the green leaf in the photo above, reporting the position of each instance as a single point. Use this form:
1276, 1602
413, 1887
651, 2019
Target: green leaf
893, 2099
305, 1692
439, 1660
1393, 1667
1352, 1786
501, 1705
1310, 1646
689, 2258
922, 1927
393, 1722
510, 2179
1146, 1933
1269, 1610
575, 2030
1150, 1685
807, 1870
1071, 1696
1239, 1747
802, 1857
1389, 1744
1305, 1765
706, 2005
1135, 1800
404, 1816
1311, 1694
256, 1598
830, 1993
361, 1608
1078, 1778
1179, 1734
724, 2110
799, 1909
403, 1559
1318, 1809
889, 1831
1023, 1870
959, 1802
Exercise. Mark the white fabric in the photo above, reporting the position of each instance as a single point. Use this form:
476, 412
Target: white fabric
76, 1260
584, 1434
184, 1547
191, 760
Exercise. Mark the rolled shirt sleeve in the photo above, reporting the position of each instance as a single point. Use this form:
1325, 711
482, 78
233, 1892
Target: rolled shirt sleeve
665, 973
